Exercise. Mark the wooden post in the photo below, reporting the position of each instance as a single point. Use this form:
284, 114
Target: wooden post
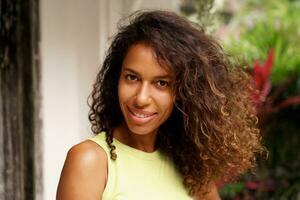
20, 140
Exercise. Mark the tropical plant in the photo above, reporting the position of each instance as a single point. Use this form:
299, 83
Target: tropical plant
273, 24
273, 37
265, 37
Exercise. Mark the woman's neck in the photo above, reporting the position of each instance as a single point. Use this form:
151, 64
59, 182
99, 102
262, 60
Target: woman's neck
143, 142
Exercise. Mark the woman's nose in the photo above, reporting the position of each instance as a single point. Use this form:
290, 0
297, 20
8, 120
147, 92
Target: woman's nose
143, 96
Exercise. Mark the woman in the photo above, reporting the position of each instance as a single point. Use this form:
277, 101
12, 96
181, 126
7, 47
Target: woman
171, 116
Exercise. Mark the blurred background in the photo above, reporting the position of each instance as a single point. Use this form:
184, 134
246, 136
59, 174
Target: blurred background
51, 51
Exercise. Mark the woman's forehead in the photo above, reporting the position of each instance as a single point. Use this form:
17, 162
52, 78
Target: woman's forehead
142, 58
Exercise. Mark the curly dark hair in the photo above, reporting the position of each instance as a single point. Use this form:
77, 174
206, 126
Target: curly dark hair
212, 131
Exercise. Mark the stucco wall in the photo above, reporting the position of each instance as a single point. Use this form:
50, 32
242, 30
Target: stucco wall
70, 58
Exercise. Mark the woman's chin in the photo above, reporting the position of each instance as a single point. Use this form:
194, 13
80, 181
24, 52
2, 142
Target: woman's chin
141, 130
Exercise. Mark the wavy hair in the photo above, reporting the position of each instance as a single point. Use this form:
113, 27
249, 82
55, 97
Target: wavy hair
212, 131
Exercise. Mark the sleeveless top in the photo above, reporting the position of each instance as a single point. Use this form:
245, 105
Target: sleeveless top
137, 175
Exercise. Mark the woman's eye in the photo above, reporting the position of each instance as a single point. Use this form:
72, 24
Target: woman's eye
131, 77
162, 83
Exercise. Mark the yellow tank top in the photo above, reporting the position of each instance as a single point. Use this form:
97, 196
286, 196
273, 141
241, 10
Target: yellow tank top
137, 175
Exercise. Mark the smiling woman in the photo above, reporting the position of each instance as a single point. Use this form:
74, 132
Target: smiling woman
171, 116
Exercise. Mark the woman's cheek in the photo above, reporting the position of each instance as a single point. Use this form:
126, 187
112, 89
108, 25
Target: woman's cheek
125, 91
165, 99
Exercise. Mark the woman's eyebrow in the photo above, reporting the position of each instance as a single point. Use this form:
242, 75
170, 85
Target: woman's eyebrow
166, 76
131, 71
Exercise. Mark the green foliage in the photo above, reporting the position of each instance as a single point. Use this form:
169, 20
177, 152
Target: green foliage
199, 11
282, 141
273, 24
255, 28
260, 27
231, 190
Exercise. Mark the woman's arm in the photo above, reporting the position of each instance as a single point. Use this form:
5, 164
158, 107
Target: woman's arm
212, 195
84, 174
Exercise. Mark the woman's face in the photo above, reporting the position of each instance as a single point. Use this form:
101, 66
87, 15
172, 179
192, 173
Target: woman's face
145, 90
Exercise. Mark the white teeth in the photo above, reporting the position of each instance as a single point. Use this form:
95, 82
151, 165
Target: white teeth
141, 115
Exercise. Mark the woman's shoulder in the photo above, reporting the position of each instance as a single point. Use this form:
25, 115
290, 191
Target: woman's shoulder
85, 169
87, 156
88, 152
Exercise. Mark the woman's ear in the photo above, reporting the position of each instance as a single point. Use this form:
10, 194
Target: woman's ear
177, 98
174, 99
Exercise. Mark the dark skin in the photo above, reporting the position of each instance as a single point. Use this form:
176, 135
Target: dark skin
146, 98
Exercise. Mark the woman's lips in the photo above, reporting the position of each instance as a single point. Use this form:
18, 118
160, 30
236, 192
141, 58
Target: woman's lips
140, 116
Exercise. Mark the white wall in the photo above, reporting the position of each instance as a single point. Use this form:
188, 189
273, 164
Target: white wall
70, 58
74, 37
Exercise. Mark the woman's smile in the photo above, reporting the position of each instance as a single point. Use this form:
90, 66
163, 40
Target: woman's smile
140, 116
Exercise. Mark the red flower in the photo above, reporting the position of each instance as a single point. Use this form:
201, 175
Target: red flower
261, 74
252, 185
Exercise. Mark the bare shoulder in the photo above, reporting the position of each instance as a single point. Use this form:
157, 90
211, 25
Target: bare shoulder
88, 153
84, 174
